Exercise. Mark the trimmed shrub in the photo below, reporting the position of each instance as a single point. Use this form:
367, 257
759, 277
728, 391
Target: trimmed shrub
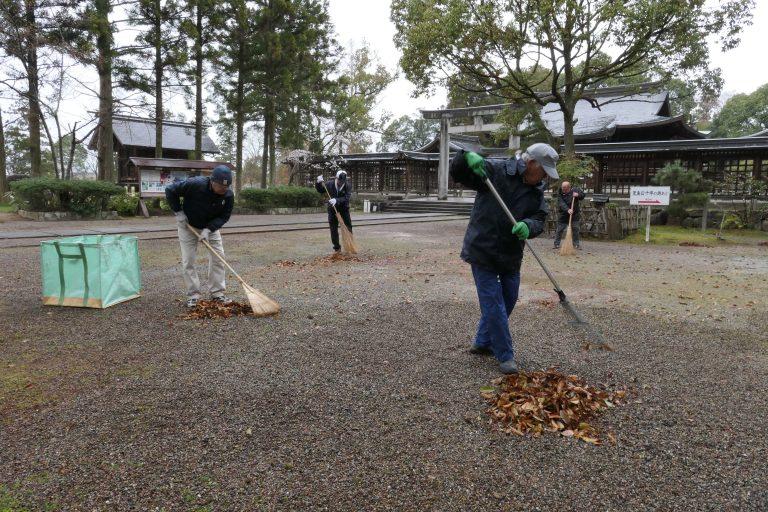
125, 205
47, 194
262, 199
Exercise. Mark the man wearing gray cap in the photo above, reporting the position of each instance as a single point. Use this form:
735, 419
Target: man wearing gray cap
206, 206
492, 246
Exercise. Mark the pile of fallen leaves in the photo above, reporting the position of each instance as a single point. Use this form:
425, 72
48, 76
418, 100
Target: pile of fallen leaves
208, 309
340, 256
548, 401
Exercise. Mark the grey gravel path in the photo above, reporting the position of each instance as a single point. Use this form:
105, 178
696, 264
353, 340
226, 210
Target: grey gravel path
361, 395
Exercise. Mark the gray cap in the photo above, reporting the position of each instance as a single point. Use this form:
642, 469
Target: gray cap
546, 156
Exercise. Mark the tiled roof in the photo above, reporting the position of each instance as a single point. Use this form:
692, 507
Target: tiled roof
133, 131
613, 111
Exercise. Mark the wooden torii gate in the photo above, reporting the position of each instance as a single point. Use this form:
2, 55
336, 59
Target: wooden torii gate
479, 126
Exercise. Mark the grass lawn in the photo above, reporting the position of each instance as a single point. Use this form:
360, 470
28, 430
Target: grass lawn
7, 208
675, 235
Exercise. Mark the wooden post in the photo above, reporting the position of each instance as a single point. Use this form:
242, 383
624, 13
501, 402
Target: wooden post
648, 226
704, 215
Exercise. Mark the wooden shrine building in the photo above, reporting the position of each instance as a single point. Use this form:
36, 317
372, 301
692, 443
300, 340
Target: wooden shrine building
630, 133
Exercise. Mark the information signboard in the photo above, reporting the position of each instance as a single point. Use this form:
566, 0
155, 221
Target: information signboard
152, 182
649, 196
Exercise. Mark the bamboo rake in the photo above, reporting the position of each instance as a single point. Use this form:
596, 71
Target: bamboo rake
260, 303
347, 240
567, 248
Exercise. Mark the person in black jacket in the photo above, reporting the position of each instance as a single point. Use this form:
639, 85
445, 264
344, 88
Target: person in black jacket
206, 206
341, 192
492, 245
567, 196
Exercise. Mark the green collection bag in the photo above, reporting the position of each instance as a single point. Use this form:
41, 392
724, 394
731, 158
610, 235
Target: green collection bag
90, 271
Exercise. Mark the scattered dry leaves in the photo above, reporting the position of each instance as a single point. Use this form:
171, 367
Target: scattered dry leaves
548, 303
548, 401
694, 244
208, 309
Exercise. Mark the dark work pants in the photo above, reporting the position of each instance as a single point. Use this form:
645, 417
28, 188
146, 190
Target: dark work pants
333, 222
497, 294
562, 227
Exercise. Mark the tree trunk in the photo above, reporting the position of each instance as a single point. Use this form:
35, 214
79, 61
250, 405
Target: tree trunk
199, 90
158, 82
104, 136
272, 151
4, 189
33, 115
265, 151
569, 143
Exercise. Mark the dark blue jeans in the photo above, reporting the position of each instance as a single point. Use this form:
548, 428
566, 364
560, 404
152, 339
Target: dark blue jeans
497, 294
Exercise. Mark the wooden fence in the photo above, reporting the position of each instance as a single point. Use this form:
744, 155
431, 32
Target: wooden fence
612, 223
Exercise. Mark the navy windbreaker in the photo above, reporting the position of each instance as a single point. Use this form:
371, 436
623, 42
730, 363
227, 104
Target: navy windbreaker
489, 241
203, 208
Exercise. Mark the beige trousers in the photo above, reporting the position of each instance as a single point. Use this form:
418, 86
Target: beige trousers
216, 271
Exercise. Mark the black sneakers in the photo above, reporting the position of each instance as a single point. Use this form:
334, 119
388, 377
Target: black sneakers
480, 350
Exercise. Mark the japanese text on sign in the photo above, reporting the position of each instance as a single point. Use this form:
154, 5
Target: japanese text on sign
649, 196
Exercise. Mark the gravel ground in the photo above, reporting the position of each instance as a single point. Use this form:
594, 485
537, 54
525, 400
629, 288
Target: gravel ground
360, 395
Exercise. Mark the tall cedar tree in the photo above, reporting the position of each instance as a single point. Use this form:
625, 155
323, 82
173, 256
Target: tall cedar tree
160, 47
199, 27
235, 75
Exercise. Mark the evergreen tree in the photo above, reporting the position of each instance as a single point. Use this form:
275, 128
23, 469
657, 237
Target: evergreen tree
160, 49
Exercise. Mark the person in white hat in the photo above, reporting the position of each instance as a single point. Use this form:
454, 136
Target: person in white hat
492, 246
341, 192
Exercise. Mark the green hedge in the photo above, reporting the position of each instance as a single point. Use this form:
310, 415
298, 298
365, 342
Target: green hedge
47, 194
261, 199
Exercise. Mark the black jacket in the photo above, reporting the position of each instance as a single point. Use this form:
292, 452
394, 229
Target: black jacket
489, 241
342, 196
203, 208
564, 203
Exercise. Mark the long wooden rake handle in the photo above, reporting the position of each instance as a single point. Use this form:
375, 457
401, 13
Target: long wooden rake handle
329, 197
205, 242
578, 318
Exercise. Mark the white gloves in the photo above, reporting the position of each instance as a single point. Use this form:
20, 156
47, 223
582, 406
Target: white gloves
181, 217
320, 179
204, 234
332, 202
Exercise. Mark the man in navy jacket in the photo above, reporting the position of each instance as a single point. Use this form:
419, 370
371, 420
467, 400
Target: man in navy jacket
492, 246
206, 206
341, 192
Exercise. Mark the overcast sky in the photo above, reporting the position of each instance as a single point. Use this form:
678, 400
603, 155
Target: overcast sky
744, 68
359, 21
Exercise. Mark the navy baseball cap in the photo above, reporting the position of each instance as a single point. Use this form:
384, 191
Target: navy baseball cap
222, 174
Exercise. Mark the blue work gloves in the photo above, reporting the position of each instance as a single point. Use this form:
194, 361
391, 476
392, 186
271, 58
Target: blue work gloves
476, 163
521, 231
204, 234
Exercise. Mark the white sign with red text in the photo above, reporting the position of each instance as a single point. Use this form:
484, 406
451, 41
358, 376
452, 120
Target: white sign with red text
649, 196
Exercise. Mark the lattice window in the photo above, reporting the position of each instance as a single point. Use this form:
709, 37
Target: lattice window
619, 175
730, 176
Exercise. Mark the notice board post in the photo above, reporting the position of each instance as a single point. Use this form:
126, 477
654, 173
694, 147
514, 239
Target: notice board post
649, 196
